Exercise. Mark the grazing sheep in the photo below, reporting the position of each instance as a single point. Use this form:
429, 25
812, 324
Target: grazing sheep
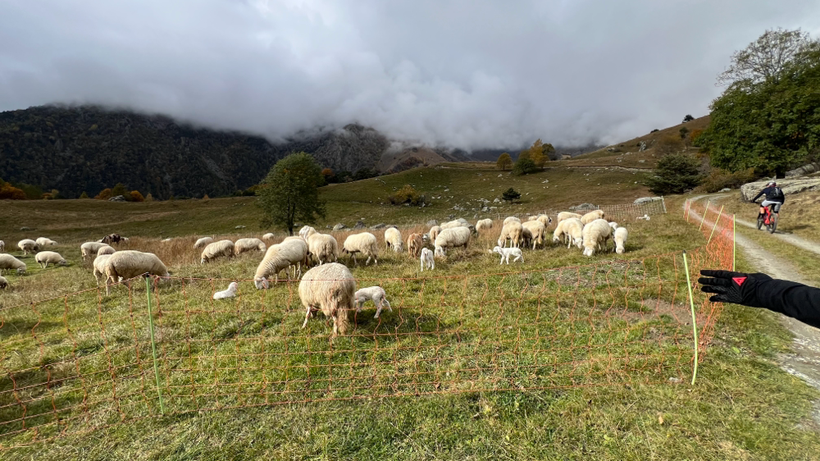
570, 231
510, 219
513, 231
112, 239
2, 246
3, 283
507, 252
537, 229
433, 233
364, 243
8, 261
250, 244
620, 239
215, 250
592, 216
330, 288
544, 219
460, 222
376, 294
106, 250
203, 242
28, 246
427, 259
45, 242
124, 265
44, 258
323, 247
451, 238
229, 293
90, 249
392, 237
595, 235
303, 247
99, 266
564, 215
483, 225
415, 245
277, 258
268, 236
613, 225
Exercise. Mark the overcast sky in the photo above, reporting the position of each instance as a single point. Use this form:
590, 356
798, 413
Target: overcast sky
466, 74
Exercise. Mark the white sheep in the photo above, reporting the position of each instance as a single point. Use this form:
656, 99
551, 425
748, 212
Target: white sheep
570, 231
427, 259
595, 235
331, 289
127, 264
510, 219
303, 248
452, 238
2, 246
592, 216
248, 244
620, 239
3, 283
537, 229
460, 222
513, 230
375, 294
323, 247
215, 250
268, 236
415, 245
645, 217
613, 225
45, 242
99, 267
44, 258
229, 293
364, 243
90, 249
507, 252
544, 219
8, 261
564, 215
483, 225
203, 242
277, 258
106, 250
392, 238
433, 233
28, 246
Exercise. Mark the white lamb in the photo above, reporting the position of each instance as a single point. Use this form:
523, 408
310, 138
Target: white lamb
45, 242
2, 246
513, 230
507, 252
620, 239
323, 247
596, 234
8, 262
90, 249
510, 219
427, 259
537, 228
3, 283
592, 216
229, 293
483, 224
364, 243
330, 288
277, 258
248, 244
44, 258
268, 236
392, 238
28, 246
452, 238
570, 231
564, 215
203, 242
124, 265
106, 250
222, 248
613, 225
375, 294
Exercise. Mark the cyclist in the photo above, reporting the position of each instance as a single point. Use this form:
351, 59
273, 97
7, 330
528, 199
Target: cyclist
774, 196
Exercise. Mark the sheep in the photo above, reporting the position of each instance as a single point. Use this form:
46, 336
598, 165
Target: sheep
483, 224
645, 217
526, 237
427, 259
268, 236
507, 252
113, 238
392, 237
454, 237
106, 250
460, 222
596, 234
376, 294
323, 247
331, 288
28, 246
365, 243
510, 219
229, 293
248, 244
45, 242
278, 257
215, 250
512, 230
44, 258
302, 246
124, 265
564, 215
203, 242
592, 216
3, 283
90, 249
620, 239
571, 231
2, 246
8, 261
99, 266
415, 245
613, 225
537, 229
433, 233
544, 219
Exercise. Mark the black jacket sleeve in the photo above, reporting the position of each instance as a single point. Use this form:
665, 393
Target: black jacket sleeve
758, 195
790, 298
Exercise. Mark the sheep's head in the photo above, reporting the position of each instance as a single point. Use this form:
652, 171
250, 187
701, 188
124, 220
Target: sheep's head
589, 251
440, 252
233, 286
21, 271
619, 250
496, 250
261, 283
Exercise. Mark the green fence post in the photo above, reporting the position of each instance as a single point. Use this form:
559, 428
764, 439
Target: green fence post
715, 226
734, 243
705, 212
153, 342
694, 320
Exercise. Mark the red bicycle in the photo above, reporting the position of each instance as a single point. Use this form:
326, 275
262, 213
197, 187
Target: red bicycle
767, 217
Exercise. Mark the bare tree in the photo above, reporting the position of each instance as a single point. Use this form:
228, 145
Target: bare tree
766, 57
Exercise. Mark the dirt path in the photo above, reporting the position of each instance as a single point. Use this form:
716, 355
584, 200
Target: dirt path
804, 362
788, 238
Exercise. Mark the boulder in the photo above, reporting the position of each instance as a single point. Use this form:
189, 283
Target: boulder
239, 227
359, 225
726, 189
118, 198
378, 226
803, 170
583, 206
339, 227
789, 186
638, 201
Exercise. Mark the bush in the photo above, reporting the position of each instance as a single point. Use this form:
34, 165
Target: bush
510, 195
406, 194
9, 192
669, 144
688, 118
84, 195
135, 196
524, 166
149, 197
719, 179
675, 174
104, 194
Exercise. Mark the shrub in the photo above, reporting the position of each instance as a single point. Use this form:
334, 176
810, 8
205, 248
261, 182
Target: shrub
149, 197
9, 192
120, 189
719, 179
406, 194
524, 166
510, 195
675, 174
84, 195
104, 194
688, 118
504, 162
135, 196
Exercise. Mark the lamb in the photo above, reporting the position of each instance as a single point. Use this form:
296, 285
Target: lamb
124, 265
571, 231
564, 215
454, 237
364, 243
483, 224
392, 237
415, 245
215, 250
613, 225
8, 261
596, 234
513, 230
537, 229
2, 246
433, 233
278, 257
331, 288
3, 283
45, 242
248, 244
28, 246
510, 219
592, 216
99, 266
507, 252
106, 250
268, 236
90, 249
620, 239
376, 294
229, 293
323, 247
203, 242
44, 258
645, 217
427, 259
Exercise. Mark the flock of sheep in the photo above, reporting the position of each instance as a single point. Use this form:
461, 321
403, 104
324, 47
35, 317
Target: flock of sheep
329, 286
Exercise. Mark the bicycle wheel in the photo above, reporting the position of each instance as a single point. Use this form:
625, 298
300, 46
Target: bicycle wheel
772, 223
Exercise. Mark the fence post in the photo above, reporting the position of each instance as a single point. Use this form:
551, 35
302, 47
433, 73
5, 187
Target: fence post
153, 342
688, 210
663, 202
694, 320
715, 226
734, 243
705, 212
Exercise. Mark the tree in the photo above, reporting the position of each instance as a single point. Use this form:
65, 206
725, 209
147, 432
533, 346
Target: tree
327, 173
135, 196
688, 118
120, 189
104, 194
524, 165
406, 194
290, 192
504, 162
84, 195
510, 195
767, 57
539, 153
149, 197
9, 192
683, 132
675, 174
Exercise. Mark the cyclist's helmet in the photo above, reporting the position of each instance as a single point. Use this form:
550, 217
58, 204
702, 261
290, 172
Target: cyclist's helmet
771, 184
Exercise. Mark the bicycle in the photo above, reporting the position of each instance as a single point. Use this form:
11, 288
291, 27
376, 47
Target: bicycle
768, 218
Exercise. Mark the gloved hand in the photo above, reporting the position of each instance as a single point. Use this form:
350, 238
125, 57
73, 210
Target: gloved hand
733, 287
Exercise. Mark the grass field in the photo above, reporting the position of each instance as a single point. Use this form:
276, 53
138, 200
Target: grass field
422, 382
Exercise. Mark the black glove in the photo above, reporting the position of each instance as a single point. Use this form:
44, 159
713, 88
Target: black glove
733, 287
